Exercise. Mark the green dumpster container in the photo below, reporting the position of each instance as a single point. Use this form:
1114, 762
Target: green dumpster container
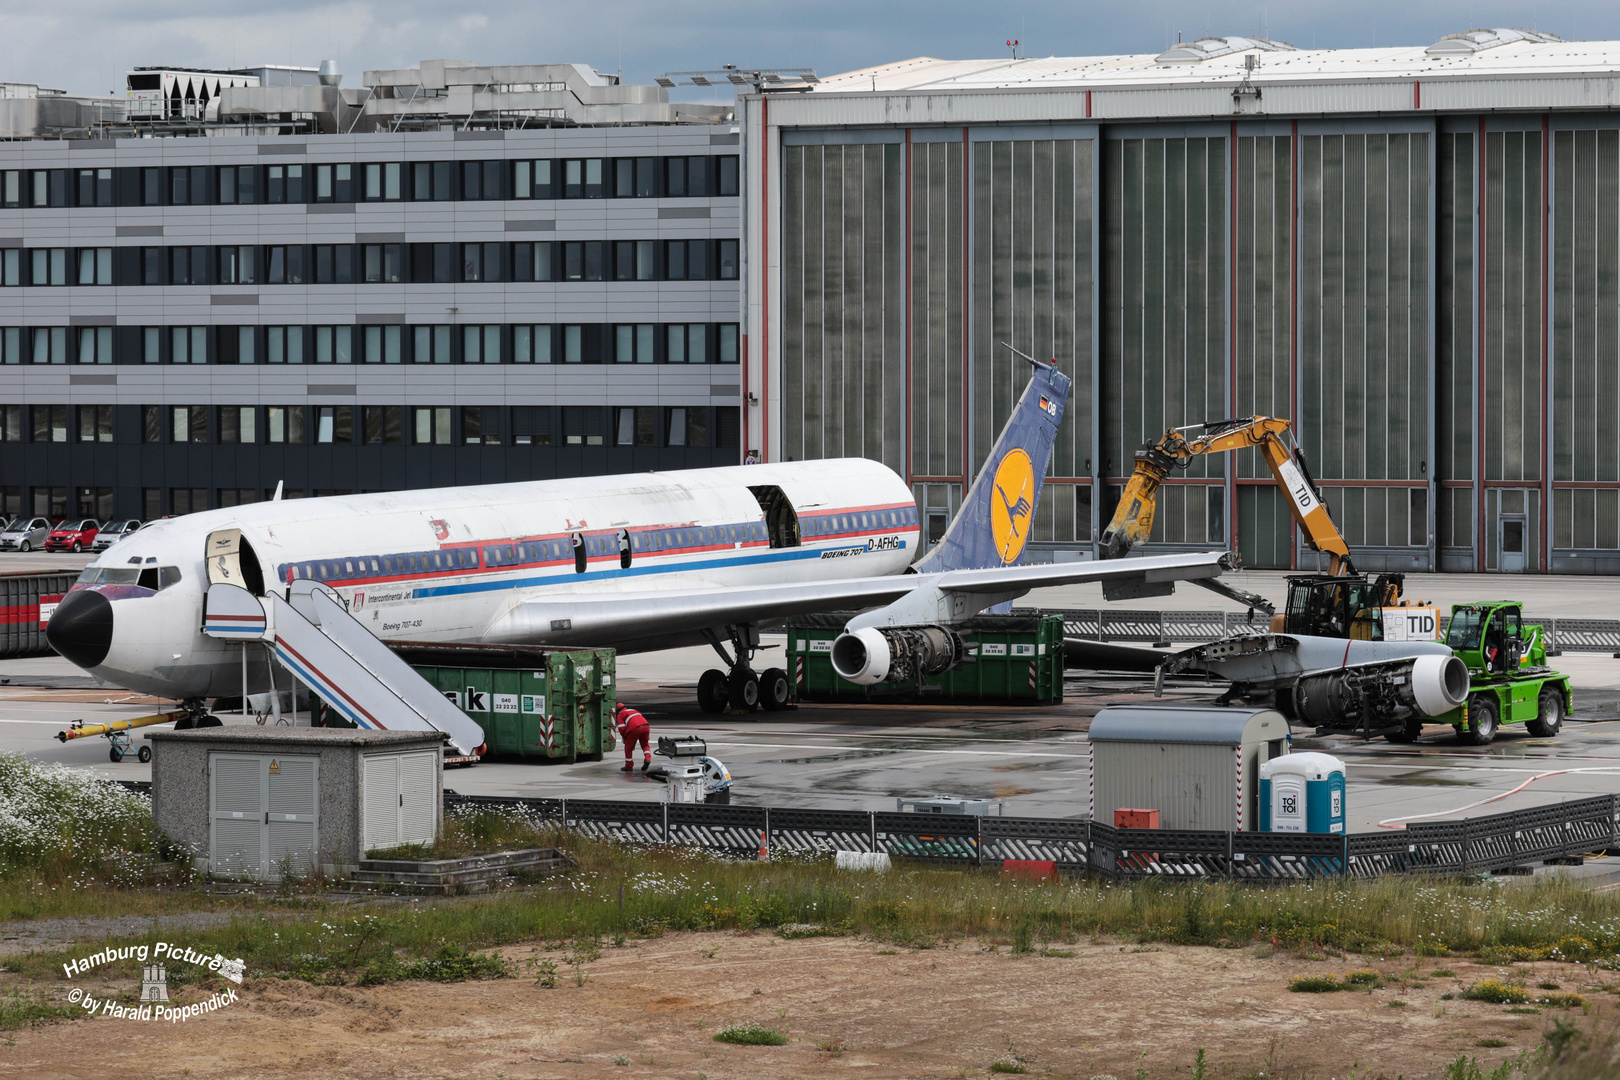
559, 707
1017, 659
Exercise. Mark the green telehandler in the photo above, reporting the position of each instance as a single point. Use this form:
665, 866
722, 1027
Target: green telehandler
1509, 680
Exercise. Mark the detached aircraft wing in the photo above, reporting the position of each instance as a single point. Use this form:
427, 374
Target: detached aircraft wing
972, 568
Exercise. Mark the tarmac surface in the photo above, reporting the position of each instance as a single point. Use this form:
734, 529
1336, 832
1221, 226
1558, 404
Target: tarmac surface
865, 756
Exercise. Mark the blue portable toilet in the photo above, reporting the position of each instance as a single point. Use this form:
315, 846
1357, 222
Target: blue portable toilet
1302, 793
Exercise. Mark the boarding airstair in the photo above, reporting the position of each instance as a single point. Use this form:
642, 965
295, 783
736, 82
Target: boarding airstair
313, 635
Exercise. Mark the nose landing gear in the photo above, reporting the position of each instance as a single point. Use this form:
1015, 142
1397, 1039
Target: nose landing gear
197, 716
740, 688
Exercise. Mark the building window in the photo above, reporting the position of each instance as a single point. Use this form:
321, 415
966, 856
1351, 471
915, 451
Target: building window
634, 260
11, 423
334, 423
237, 497
383, 344
152, 423
95, 344
582, 425
50, 344
430, 345
237, 424
284, 264
95, 266
633, 344
11, 187
151, 266
284, 184
532, 180
11, 349
481, 179
480, 344
481, 424
726, 262
237, 264
635, 425
531, 425
585, 260
382, 181
284, 344
534, 261
187, 500
686, 260
334, 183
431, 425
236, 184
573, 344
50, 502
49, 266
480, 262
727, 426
151, 503
726, 175
188, 344
430, 180
95, 423
188, 423
50, 423
334, 264
531, 344
235, 345
188, 266
284, 423
726, 343
384, 424
11, 262
434, 262
386, 262
686, 343
583, 178
334, 344
688, 426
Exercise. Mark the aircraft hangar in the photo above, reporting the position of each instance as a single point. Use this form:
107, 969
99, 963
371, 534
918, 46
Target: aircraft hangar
1411, 252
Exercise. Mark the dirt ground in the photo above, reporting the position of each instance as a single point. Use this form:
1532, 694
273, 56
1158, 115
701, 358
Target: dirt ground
849, 1007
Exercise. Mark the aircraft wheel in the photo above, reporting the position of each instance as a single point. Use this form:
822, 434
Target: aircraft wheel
1549, 714
711, 691
210, 721
1482, 721
144, 754
774, 689
743, 690
185, 723
1408, 734
114, 755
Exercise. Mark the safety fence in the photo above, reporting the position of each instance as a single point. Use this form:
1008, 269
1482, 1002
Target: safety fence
26, 602
1521, 838
1195, 627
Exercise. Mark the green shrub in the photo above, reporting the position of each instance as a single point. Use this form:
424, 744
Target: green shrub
1365, 977
25, 1008
1314, 984
751, 1035
1496, 992
1008, 1065
1561, 1000
65, 822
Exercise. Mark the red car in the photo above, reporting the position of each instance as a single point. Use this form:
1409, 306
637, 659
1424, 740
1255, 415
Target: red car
73, 535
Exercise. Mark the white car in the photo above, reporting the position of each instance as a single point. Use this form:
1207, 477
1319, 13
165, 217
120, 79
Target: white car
114, 531
25, 534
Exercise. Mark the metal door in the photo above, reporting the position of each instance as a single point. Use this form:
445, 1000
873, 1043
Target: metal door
290, 818
381, 779
1511, 538
418, 798
236, 835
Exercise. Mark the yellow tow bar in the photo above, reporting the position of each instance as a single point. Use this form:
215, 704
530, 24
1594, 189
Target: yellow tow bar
81, 730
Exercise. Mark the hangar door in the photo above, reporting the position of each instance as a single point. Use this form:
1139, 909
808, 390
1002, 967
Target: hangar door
401, 803
262, 815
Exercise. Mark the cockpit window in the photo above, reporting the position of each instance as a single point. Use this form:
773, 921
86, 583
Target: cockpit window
168, 575
109, 575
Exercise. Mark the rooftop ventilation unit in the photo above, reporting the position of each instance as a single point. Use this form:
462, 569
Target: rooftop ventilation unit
1475, 41
1208, 48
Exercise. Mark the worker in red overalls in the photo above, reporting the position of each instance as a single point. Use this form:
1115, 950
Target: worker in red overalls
633, 729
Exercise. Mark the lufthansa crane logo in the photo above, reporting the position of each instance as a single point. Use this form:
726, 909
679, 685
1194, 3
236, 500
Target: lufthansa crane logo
1011, 505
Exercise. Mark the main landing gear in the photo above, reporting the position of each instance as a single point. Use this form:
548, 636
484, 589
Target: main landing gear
197, 716
739, 687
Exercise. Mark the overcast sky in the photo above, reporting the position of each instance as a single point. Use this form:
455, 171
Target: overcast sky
85, 46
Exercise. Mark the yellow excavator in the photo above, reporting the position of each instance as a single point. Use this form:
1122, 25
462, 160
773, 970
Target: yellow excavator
1339, 603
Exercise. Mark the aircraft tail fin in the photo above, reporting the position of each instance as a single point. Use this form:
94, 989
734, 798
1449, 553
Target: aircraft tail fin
993, 526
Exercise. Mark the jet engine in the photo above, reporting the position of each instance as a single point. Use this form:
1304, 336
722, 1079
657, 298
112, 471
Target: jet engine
873, 654
1370, 693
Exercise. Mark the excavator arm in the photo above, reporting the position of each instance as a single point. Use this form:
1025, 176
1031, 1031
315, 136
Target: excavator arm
1133, 519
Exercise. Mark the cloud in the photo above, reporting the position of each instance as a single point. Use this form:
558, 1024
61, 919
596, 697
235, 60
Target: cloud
86, 48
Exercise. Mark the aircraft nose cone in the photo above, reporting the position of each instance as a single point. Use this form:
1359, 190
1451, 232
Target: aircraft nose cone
81, 628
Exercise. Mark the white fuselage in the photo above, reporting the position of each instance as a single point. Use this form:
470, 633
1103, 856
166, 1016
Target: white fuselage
447, 564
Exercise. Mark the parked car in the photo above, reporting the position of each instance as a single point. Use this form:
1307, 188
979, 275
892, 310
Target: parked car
114, 531
25, 534
74, 534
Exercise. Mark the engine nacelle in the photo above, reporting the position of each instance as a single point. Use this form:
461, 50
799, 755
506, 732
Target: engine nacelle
874, 655
1374, 694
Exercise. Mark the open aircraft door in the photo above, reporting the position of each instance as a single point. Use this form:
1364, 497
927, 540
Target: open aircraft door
225, 557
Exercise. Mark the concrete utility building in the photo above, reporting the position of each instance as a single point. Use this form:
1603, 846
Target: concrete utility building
451, 275
1414, 253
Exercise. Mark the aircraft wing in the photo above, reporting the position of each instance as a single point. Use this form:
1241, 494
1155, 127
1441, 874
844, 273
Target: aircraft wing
622, 619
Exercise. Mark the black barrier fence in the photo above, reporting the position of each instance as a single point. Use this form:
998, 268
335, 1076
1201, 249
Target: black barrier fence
20, 631
1520, 838
1196, 627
